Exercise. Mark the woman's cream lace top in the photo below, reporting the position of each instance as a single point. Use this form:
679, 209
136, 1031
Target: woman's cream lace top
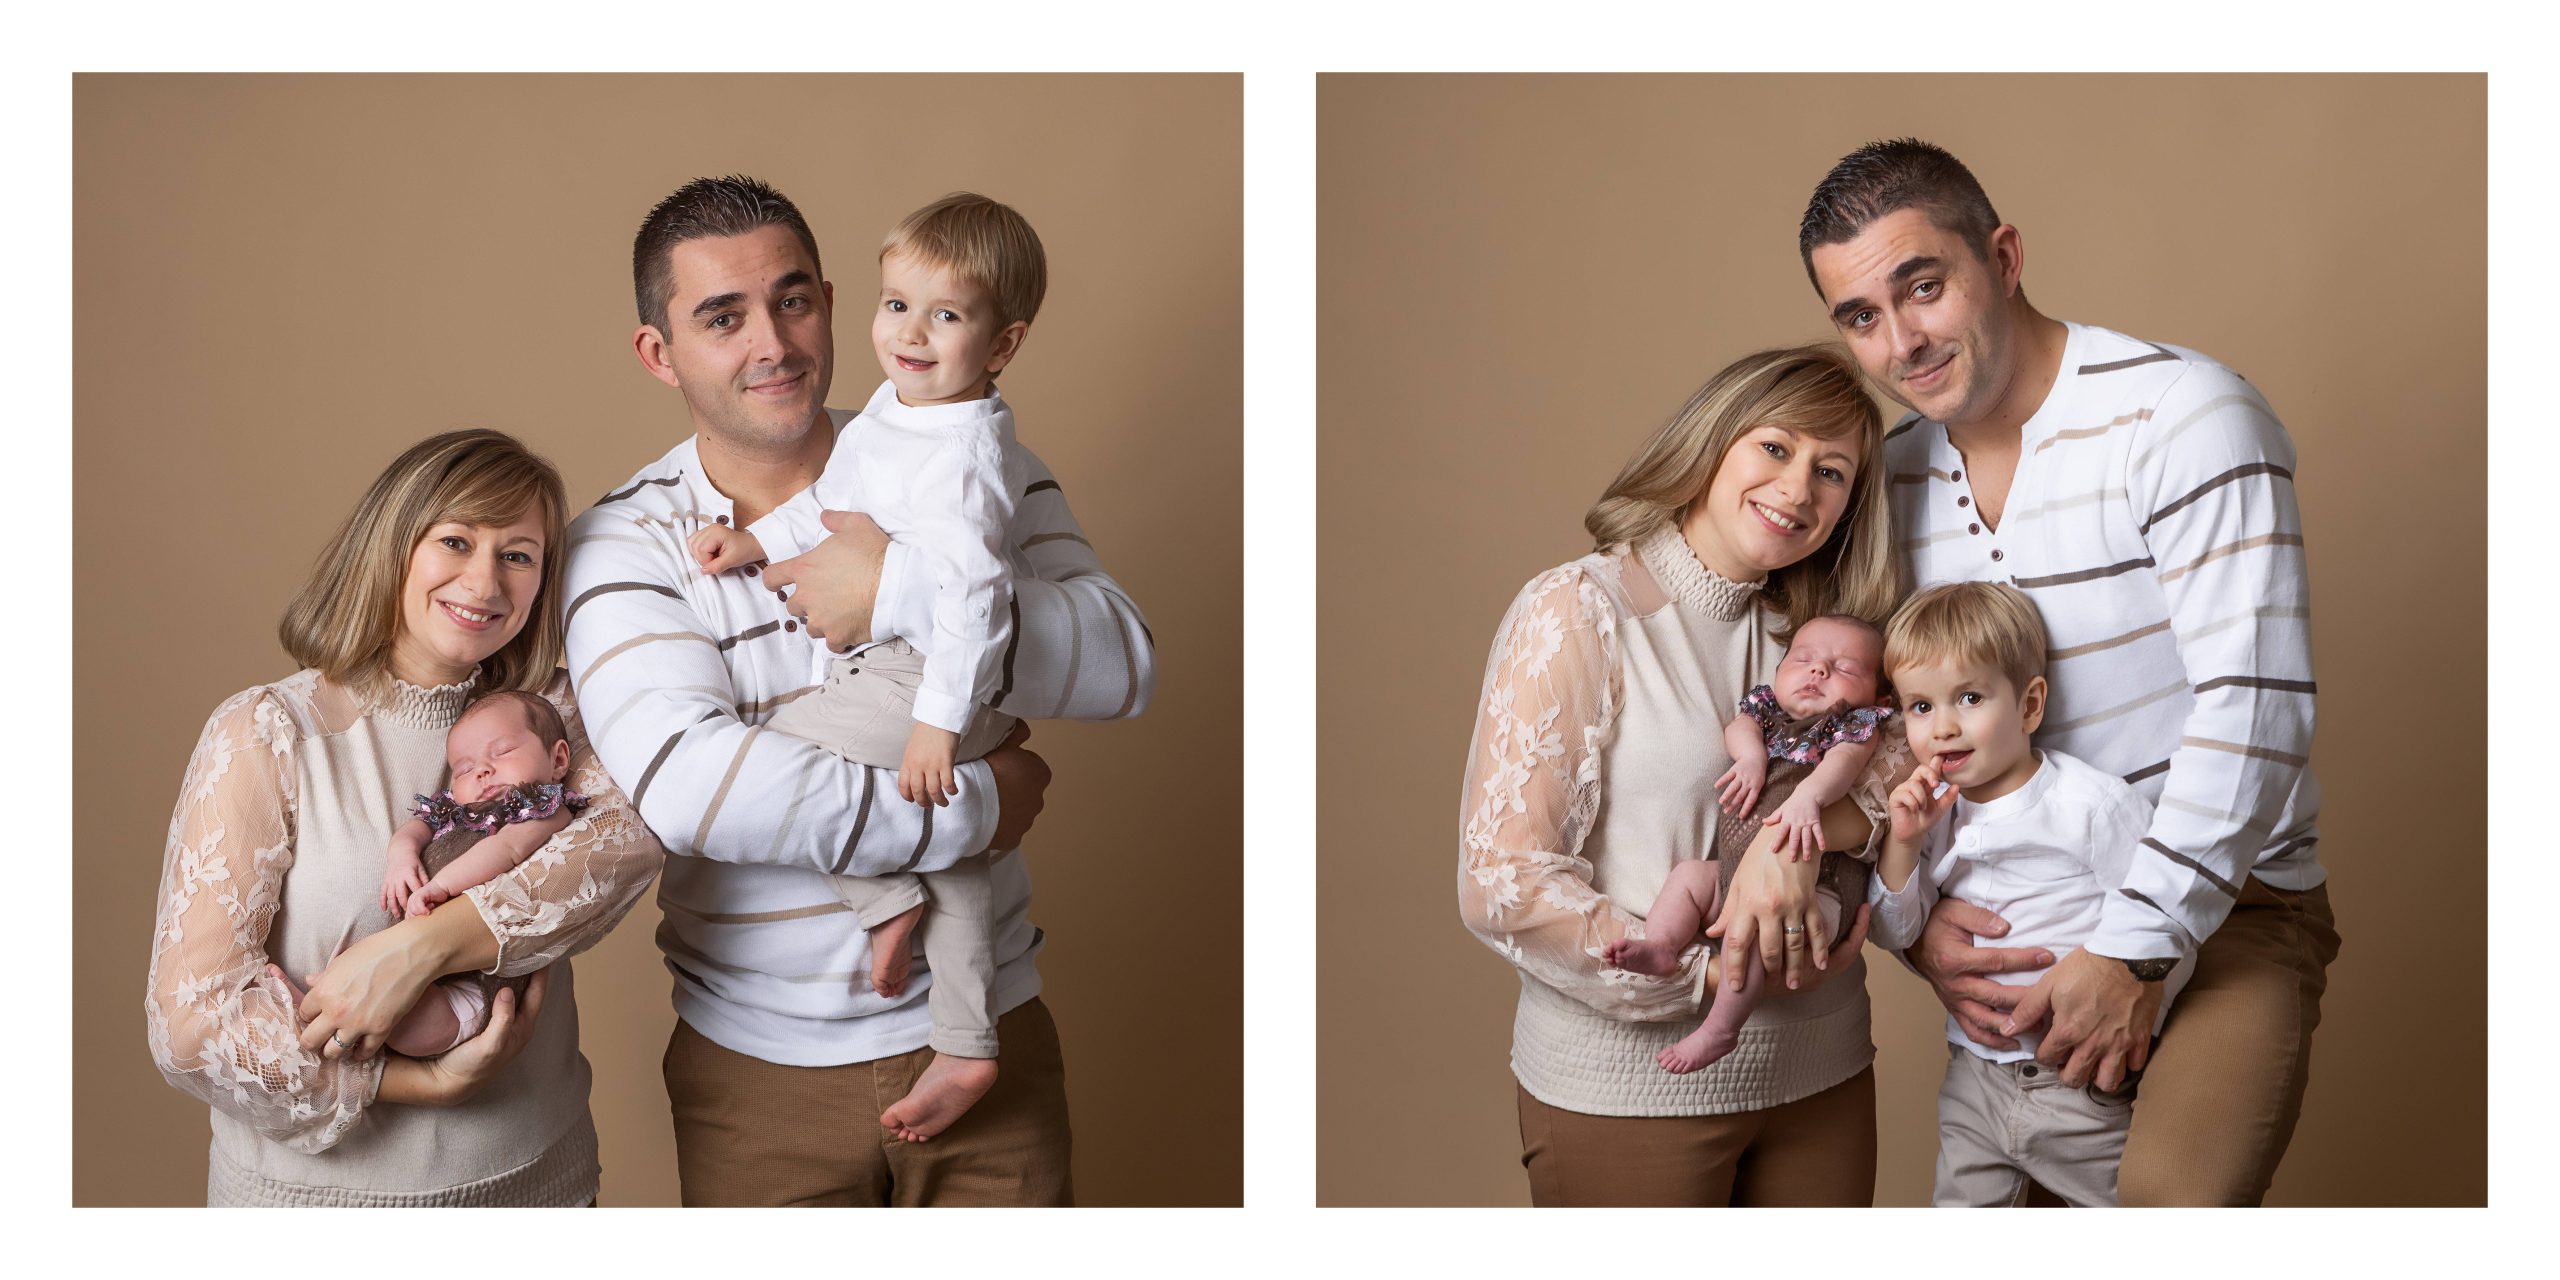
1598, 740
276, 852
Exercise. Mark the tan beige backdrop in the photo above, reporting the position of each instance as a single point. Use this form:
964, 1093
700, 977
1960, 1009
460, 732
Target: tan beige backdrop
282, 281
1521, 276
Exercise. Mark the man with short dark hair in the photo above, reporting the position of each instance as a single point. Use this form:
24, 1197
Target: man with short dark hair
2142, 496
783, 1058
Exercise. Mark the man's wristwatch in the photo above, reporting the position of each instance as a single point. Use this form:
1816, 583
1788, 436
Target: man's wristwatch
2149, 970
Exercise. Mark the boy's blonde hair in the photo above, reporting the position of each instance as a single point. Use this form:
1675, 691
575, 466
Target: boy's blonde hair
983, 242
1813, 389
1987, 622
346, 618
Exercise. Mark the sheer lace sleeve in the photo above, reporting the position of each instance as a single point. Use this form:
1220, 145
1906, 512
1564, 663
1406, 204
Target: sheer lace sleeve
1532, 791
574, 889
1872, 792
220, 1028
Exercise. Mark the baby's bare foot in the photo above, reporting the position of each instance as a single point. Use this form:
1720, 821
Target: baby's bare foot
943, 1094
1699, 1048
1640, 955
891, 958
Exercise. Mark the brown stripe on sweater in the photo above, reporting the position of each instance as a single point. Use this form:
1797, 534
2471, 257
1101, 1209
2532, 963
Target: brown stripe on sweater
749, 634
2091, 433
1128, 655
2227, 477
711, 809
2191, 864
2251, 750
619, 494
665, 749
2101, 646
1905, 425
2158, 354
609, 588
2084, 575
1012, 645
1053, 537
924, 839
861, 819
1075, 652
2145, 899
635, 642
2231, 549
1921, 477
1038, 485
2145, 772
2259, 682
762, 705
2166, 691
755, 917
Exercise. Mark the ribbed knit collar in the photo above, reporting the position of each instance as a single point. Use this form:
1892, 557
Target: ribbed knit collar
435, 707
1676, 567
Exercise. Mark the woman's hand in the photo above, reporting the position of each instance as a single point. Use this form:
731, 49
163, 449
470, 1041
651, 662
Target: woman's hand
351, 1006
1771, 905
462, 1071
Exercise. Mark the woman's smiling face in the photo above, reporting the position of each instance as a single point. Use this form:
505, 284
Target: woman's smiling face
469, 589
1774, 499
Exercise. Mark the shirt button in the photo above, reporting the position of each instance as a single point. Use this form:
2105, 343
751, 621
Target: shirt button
751, 571
1995, 555
1964, 502
721, 519
1973, 528
981, 611
789, 625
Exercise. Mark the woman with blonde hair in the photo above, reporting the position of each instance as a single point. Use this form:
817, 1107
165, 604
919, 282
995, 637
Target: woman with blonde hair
1599, 735
442, 584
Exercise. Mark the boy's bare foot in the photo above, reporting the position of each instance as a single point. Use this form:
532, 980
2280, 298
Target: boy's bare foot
891, 958
1699, 1048
1640, 955
943, 1094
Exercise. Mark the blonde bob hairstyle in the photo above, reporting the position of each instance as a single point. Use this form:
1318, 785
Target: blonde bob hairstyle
983, 242
347, 615
1990, 623
1812, 389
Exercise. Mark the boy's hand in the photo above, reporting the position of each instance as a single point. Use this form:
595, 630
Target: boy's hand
925, 776
1799, 824
1739, 788
405, 877
428, 897
719, 548
1917, 804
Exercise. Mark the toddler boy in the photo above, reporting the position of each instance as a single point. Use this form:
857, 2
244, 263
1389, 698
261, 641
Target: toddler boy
933, 460
2037, 838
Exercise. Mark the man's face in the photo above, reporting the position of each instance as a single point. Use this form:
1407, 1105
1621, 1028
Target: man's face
748, 338
1927, 317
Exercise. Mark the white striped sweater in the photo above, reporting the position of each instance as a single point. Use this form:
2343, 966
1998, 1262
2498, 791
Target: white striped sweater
2152, 520
677, 674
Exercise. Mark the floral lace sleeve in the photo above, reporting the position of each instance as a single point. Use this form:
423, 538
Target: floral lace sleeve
219, 1027
1532, 791
571, 892
1872, 792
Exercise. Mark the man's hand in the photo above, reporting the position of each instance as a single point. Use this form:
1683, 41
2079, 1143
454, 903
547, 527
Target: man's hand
832, 586
1953, 966
2102, 1019
1022, 783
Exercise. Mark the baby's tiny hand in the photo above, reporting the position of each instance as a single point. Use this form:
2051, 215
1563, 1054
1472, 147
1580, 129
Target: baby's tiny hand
428, 897
1799, 824
927, 775
1739, 789
719, 548
403, 879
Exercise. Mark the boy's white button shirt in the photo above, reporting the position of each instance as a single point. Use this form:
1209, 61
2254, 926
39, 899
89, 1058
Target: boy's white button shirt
944, 480
2044, 857
677, 673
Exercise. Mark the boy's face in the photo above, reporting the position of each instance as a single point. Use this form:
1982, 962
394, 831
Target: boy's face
936, 334
498, 748
1972, 722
